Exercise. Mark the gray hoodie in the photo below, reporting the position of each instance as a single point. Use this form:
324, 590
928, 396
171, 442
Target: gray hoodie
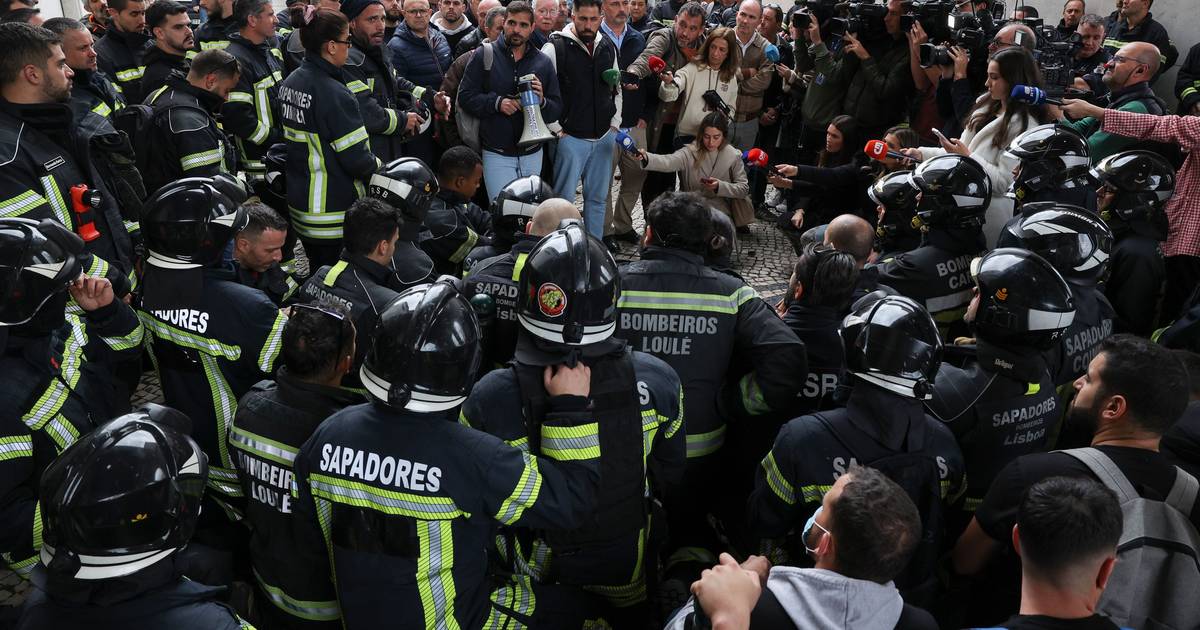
819, 599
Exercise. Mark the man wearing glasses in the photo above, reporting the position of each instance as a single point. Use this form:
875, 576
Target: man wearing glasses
1127, 76
421, 55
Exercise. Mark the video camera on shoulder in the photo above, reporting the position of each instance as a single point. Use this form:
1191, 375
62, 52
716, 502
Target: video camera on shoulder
862, 19
1056, 60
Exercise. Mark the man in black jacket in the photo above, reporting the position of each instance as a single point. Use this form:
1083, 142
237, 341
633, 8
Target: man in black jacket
187, 136
1187, 84
215, 31
456, 225
588, 78
1135, 23
169, 24
274, 419
91, 90
475, 38
251, 114
122, 47
258, 252
618, 221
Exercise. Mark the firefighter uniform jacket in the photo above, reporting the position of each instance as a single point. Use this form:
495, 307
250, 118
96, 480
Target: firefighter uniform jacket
499, 277
638, 404
700, 321
251, 115
214, 33
361, 285
384, 99
937, 274
817, 327
404, 505
1000, 404
119, 55
193, 145
43, 154
808, 456
91, 91
329, 158
276, 282
53, 393
208, 357
1093, 323
273, 421
412, 265
455, 226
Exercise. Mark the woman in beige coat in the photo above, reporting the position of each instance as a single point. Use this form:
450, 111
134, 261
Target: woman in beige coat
710, 167
715, 69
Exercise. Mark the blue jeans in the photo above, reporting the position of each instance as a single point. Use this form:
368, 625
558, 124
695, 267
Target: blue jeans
591, 159
500, 170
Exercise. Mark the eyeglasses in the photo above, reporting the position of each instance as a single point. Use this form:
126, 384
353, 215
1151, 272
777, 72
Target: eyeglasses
339, 41
416, 12
1117, 59
547, 12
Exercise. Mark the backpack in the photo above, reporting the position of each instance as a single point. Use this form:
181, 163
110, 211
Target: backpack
917, 473
1157, 574
139, 122
468, 125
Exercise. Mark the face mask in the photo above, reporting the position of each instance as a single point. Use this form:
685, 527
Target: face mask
808, 527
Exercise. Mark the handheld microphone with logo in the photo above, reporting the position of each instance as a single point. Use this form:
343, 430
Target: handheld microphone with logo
879, 150
772, 53
656, 64
755, 157
1032, 95
626, 143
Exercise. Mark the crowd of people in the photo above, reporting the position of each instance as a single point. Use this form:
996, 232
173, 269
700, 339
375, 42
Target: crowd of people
367, 248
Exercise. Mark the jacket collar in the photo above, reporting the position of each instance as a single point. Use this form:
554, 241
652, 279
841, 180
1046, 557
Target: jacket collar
1135, 92
133, 41
264, 48
42, 116
451, 197
377, 272
805, 316
313, 396
319, 63
659, 252
1026, 367
210, 102
885, 416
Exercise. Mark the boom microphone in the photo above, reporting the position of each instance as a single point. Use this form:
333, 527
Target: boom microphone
879, 150
1032, 95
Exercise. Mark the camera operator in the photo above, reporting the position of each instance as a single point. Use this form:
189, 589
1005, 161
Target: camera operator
1091, 54
1128, 76
874, 68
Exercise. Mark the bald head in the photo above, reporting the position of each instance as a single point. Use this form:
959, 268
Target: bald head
1143, 52
1007, 36
851, 234
483, 7
549, 214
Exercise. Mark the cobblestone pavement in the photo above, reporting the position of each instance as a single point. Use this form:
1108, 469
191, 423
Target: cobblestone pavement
764, 258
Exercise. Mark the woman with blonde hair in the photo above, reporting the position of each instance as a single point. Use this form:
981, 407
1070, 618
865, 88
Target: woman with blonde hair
710, 167
715, 68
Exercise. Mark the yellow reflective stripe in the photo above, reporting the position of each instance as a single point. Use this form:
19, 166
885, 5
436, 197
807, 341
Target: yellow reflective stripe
102, 109
393, 122
752, 396
516, 595
130, 74
1033, 389
357, 86
133, 339
44, 413
216, 44
361, 495
202, 158
350, 139
20, 204
677, 424
335, 271
37, 525
622, 596
180, 337
467, 245
240, 97
155, 94
676, 301
263, 447
418, 92
524, 494
1187, 92
274, 342
777, 481
318, 224
304, 609
57, 203
518, 266
435, 574
23, 567
571, 443
701, 444
15, 447
814, 493
224, 407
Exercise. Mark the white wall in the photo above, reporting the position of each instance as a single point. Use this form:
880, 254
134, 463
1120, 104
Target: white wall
1181, 18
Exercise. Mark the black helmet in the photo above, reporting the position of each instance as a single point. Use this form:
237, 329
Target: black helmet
955, 191
898, 196
892, 342
189, 222
569, 288
37, 262
407, 185
122, 497
1052, 156
424, 352
1023, 300
1143, 182
720, 250
1074, 241
514, 205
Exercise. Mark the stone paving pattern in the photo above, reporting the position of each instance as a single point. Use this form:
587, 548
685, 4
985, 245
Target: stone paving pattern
764, 258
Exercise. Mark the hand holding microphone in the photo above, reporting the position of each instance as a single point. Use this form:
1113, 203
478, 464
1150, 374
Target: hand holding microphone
1032, 95
658, 67
879, 150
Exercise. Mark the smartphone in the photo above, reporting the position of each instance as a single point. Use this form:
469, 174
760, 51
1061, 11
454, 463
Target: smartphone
937, 132
707, 180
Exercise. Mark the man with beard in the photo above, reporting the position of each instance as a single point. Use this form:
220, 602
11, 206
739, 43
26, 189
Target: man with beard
1132, 392
171, 28
451, 20
122, 47
384, 98
591, 111
251, 113
393, 13
91, 91
421, 54
471, 40
215, 31
36, 130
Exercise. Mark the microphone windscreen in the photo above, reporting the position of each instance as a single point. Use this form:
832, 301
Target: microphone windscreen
876, 149
772, 53
626, 142
756, 157
656, 64
1028, 94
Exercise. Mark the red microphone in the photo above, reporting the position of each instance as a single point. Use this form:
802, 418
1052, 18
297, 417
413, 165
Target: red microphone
879, 150
755, 157
656, 64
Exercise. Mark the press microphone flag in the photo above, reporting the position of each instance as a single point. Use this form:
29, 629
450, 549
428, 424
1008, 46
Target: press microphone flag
755, 157
656, 64
772, 53
1032, 95
626, 142
879, 150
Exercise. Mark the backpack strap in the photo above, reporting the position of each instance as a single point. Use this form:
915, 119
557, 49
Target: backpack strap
1106, 471
488, 54
534, 402
1183, 492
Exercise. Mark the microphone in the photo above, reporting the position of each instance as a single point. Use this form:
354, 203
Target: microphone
755, 157
611, 76
772, 53
626, 143
656, 64
1032, 95
879, 150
